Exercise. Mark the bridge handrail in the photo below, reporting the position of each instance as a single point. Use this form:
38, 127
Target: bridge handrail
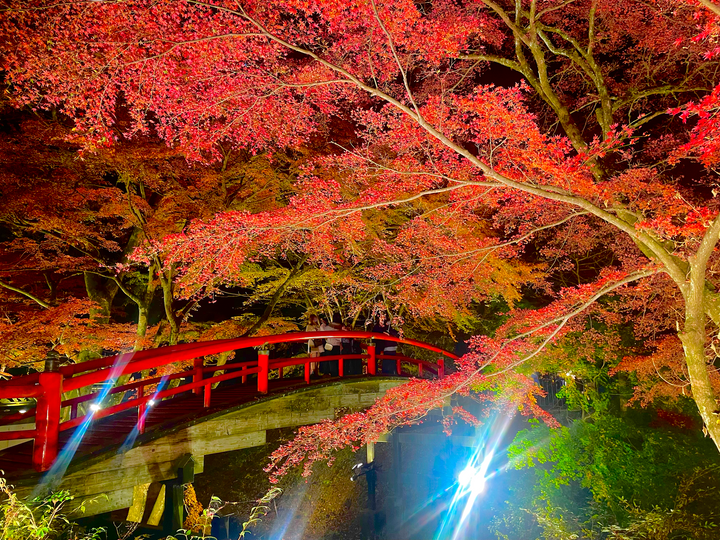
241, 343
183, 351
194, 350
140, 401
48, 387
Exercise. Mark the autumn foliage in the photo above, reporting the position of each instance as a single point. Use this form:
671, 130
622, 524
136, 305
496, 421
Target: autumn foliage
415, 161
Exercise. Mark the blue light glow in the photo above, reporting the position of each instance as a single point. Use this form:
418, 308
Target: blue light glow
53, 477
472, 480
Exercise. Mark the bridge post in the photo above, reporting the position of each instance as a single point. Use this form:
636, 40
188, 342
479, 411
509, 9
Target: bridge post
47, 420
198, 374
264, 365
307, 372
206, 395
441, 368
372, 361
142, 410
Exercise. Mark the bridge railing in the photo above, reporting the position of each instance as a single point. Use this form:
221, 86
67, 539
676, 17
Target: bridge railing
48, 387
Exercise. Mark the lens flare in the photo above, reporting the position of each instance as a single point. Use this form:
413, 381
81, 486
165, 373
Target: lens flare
466, 476
52, 478
472, 480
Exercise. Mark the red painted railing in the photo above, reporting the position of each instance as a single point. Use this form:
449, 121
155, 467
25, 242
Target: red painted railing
48, 387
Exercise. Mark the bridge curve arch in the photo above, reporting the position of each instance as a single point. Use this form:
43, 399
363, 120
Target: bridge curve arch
91, 443
106, 478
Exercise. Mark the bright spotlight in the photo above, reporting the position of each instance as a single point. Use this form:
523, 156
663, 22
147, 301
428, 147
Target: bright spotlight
466, 476
477, 484
95, 407
472, 479
151, 403
23, 411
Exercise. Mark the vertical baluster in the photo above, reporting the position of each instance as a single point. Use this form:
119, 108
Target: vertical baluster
206, 395
198, 373
372, 361
420, 368
307, 372
441, 368
142, 410
264, 365
47, 420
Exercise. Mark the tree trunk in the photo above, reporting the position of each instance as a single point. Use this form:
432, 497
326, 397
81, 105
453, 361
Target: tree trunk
693, 340
102, 291
141, 327
173, 320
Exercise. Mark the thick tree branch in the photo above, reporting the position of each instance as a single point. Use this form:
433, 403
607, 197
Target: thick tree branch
657, 249
25, 293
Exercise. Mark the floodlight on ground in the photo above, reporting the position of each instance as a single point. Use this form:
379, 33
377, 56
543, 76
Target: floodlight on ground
151, 403
23, 411
95, 407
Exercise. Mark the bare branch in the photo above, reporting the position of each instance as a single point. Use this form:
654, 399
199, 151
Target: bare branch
403, 71
541, 191
177, 44
25, 293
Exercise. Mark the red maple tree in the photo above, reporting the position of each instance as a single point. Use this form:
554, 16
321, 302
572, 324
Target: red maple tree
586, 157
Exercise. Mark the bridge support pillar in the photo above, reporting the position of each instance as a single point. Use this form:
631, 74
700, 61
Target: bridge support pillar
175, 494
47, 421
396, 505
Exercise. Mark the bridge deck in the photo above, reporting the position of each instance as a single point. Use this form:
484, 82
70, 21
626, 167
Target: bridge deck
16, 461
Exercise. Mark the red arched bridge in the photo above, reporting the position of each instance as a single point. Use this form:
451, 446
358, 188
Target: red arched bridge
96, 417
